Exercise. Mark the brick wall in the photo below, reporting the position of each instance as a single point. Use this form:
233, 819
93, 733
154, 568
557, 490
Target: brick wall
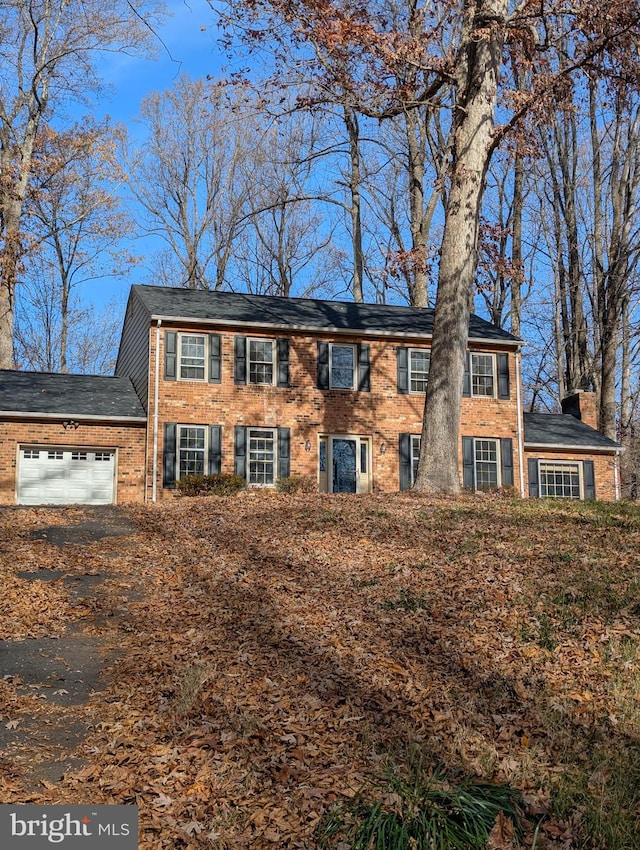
127, 440
382, 414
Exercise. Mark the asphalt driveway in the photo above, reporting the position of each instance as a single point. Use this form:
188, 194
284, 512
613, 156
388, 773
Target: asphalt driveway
67, 672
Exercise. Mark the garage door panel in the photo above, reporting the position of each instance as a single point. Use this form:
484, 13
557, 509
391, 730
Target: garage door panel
65, 476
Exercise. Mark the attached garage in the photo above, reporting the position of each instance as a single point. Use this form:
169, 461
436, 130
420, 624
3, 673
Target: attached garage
62, 476
70, 439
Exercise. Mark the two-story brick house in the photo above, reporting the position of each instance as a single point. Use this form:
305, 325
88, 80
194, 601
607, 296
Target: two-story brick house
269, 387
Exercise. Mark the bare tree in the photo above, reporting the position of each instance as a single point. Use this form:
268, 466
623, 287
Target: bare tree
47, 57
284, 240
91, 333
193, 177
74, 225
614, 233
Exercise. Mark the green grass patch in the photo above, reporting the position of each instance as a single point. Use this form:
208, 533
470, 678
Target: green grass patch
419, 810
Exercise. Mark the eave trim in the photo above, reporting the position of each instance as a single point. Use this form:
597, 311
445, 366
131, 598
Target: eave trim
80, 417
315, 329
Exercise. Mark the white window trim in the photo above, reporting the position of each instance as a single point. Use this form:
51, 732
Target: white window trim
354, 371
473, 354
179, 376
274, 365
418, 351
576, 464
179, 429
497, 444
274, 436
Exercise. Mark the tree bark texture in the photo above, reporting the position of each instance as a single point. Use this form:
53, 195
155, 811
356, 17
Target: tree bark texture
478, 69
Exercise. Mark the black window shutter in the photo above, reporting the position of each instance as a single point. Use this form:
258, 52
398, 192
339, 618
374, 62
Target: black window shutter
240, 361
283, 362
589, 479
404, 445
323, 365
215, 449
402, 354
468, 464
503, 376
364, 370
506, 453
169, 455
170, 343
284, 464
534, 489
215, 372
466, 385
240, 451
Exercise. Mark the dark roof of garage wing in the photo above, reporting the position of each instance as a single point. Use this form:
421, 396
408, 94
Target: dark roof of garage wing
52, 395
238, 308
562, 430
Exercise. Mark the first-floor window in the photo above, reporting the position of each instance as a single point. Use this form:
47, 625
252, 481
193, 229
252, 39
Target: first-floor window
415, 457
486, 462
191, 450
261, 456
559, 480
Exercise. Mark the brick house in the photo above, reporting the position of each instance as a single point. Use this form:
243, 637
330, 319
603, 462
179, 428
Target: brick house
269, 387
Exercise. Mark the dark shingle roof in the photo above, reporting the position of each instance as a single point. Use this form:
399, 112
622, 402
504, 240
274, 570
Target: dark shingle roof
54, 395
266, 310
562, 429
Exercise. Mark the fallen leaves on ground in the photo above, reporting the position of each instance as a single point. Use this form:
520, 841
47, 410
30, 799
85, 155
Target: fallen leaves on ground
281, 649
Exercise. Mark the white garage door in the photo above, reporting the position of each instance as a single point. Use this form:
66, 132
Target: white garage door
65, 476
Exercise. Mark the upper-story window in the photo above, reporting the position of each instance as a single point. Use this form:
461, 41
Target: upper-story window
192, 357
482, 375
342, 361
413, 369
343, 367
419, 362
260, 361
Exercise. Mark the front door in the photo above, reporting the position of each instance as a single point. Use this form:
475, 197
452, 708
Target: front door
345, 464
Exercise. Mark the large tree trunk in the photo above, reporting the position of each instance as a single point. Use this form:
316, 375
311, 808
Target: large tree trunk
478, 69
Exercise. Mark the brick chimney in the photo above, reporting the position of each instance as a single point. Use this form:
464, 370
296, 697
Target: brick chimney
582, 405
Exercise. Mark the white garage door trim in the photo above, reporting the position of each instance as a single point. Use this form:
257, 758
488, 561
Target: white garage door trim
65, 475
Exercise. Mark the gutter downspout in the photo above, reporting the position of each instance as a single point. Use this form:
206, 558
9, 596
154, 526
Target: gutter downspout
154, 483
520, 424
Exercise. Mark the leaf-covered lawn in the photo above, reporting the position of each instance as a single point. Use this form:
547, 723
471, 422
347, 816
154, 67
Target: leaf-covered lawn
285, 649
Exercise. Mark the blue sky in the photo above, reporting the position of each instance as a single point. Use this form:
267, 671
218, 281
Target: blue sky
187, 43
